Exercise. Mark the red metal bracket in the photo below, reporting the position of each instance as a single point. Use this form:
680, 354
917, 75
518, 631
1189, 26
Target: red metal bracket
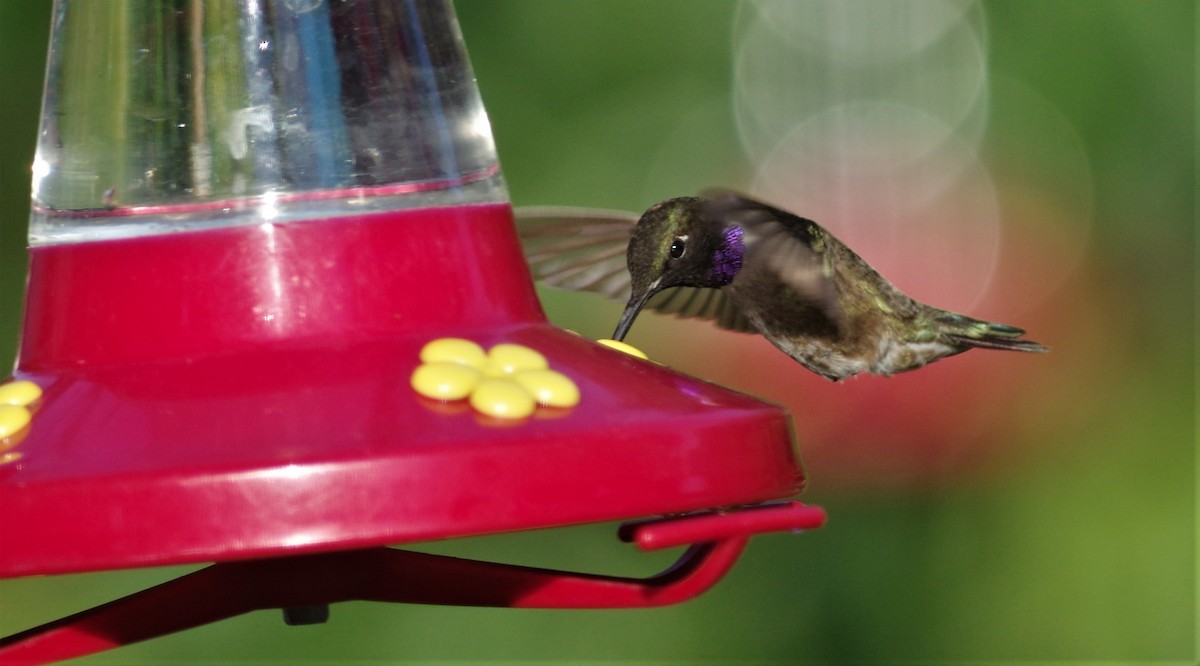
228, 589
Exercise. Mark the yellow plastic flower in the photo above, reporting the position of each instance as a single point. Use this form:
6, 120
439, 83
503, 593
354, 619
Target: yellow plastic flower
508, 381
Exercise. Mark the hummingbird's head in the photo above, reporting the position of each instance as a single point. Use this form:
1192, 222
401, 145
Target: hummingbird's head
677, 243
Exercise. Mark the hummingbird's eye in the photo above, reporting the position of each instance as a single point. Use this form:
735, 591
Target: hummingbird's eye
677, 248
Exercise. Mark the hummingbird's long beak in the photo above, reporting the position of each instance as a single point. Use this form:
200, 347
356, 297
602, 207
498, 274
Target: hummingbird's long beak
635, 305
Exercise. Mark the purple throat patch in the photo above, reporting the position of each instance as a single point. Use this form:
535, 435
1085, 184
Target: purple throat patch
727, 260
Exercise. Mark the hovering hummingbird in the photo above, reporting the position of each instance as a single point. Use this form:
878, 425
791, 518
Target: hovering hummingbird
754, 268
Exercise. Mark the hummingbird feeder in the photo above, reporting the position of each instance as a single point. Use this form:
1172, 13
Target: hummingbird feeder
249, 221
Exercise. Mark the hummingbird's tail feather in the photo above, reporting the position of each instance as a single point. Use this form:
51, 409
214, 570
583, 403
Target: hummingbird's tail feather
1000, 342
971, 332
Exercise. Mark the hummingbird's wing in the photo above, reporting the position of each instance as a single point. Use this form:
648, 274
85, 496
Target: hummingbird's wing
703, 304
790, 249
577, 249
583, 249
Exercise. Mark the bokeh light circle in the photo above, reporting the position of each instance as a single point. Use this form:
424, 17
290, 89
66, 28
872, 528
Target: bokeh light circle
796, 60
901, 189
862, 31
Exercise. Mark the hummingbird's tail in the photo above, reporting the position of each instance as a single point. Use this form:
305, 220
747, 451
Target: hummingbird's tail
971, 332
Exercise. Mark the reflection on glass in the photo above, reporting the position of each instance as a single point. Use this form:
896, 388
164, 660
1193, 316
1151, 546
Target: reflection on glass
167, 114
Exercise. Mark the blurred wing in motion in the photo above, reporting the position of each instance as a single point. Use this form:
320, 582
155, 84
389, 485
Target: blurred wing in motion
578, 249
701, 303
794, 251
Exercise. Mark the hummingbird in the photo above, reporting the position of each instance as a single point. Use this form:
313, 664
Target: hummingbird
754, 268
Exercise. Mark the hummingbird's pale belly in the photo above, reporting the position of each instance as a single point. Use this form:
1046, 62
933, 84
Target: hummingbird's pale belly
821, 359
904, 356
835, 359
890, 357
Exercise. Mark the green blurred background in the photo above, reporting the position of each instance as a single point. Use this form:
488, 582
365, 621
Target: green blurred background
985, 508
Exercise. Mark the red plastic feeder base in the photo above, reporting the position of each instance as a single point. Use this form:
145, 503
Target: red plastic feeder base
241, 396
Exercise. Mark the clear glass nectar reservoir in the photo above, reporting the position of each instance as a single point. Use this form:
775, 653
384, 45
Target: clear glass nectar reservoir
165, 115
